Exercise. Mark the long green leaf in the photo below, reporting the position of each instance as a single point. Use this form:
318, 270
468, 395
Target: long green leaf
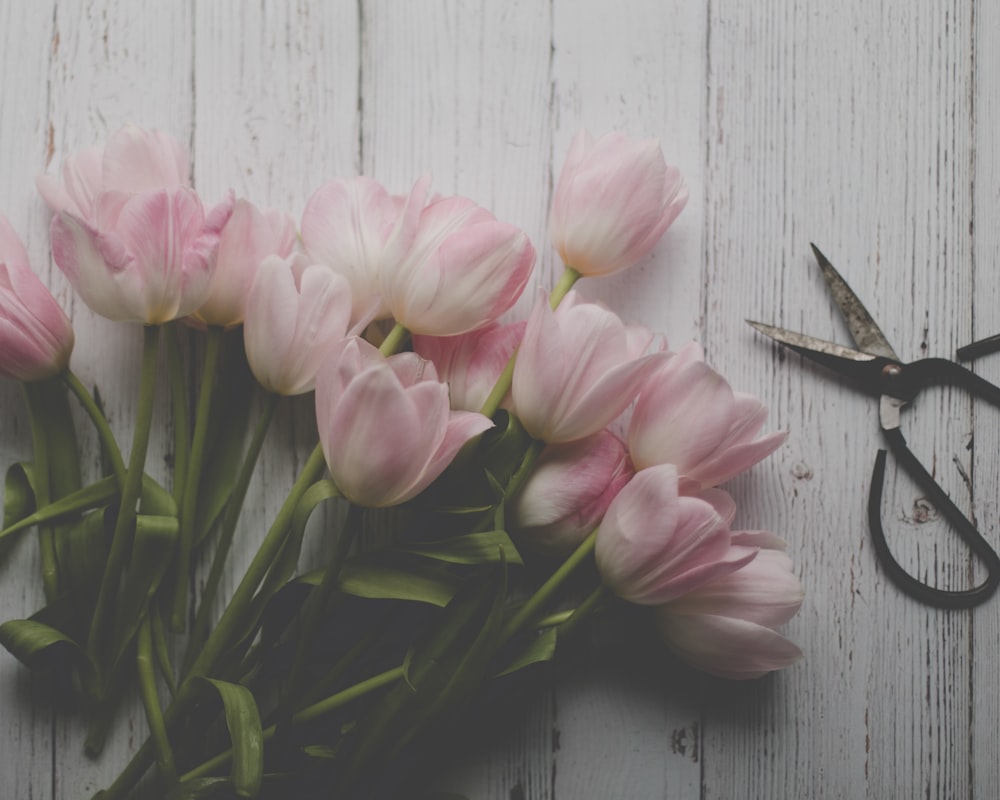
18, 503
38, 645
377, 577
243, 721
488, 547
539, 649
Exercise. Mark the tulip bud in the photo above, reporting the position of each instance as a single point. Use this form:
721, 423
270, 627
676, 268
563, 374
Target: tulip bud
471, 363
569, 491
688, 415
577, 369
296, 313
614, 200
463, 270
384, 424
248, 238
36, 337
727, 626
358, 229
131, 236
655, 545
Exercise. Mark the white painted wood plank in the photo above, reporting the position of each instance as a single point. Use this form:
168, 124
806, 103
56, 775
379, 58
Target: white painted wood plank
638, 68
114, 62
850, 127
26, 722
276, 91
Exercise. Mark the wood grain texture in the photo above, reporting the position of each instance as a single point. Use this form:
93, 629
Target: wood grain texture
868, 128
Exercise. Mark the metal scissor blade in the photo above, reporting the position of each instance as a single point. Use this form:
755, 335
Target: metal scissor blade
866, 334
853, 364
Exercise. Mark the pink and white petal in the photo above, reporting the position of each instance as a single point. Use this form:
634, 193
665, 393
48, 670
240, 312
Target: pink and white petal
140, 160
731, 461
764, 540
729, 648
77, 251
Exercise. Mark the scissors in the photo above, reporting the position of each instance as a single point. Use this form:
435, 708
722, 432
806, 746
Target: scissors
876, 368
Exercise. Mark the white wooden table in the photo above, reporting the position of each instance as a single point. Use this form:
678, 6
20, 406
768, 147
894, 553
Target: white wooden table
867, 127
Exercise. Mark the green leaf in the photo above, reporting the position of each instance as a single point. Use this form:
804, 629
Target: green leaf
380, 577
243, 721
82, 551
92, 496
155, 501
503, 447
38, 645
18, 502
473, 548
541, 648
152, 550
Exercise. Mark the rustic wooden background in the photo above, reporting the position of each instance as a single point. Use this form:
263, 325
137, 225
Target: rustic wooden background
867, 127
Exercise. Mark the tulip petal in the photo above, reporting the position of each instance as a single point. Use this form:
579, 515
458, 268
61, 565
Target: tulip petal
77, 251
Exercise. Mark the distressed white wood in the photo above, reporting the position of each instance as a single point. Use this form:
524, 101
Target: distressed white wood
868, 128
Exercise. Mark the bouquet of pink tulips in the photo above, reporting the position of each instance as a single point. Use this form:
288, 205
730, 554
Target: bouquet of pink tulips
544, 471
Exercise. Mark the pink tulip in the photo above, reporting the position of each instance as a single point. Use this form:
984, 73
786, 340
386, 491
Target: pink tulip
296, 313
385, 425
249, 237
569, 491
470, 363
129, 233
577, 369
463, 270
727, 626
358, 229
689, 416
36, 338
614, 200
655, 545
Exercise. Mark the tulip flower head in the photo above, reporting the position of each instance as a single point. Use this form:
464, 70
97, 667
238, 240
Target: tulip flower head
655, 545
577, 369
130, 234
569, 491
614, 200
689, 416
36, 338
471, 362
248, 238
462, 271
727, 626
358, 229
385, 424
296, 313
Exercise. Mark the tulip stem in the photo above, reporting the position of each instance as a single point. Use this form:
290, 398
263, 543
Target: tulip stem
234, 505
189, 505
151, 701
569, 277
181, 417
125, 523
566, 281
100, 423
528, 611
394, 340
40, 474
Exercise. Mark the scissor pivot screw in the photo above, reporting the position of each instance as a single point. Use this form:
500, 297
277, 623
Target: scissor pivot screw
892, 371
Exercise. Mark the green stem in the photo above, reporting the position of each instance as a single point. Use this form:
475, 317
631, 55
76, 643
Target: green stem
547, 589
312, 613
160, 650
100, 425
230, 622
566, 281
394, 340
315, 711
181, 417
228, 625
232, 514
40, 445
125, 523
569, 277
189, 505
151, 700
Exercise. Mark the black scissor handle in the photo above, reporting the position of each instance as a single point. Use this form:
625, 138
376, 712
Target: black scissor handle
943, 372
941, 598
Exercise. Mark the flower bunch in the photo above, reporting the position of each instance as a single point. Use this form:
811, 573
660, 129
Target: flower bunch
497, 438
